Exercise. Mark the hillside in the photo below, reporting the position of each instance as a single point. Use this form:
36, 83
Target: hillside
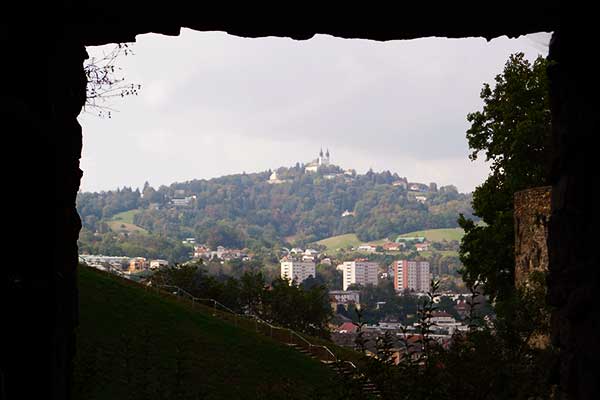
134, 344
263, 209
343, 242
438, 235
432, 235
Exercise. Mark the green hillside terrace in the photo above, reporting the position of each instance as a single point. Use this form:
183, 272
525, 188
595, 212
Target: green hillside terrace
134, 343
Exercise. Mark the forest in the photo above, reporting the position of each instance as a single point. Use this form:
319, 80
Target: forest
245, 210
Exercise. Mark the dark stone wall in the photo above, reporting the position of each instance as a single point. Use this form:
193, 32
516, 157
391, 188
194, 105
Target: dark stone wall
532, 212
573, 267
43, 91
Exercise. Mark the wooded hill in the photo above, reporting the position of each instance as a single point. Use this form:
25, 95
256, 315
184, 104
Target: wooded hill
248, 210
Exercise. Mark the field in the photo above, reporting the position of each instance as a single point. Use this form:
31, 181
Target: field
344, 241
351, 240
134, 343
125, 216
438, 235
123, 223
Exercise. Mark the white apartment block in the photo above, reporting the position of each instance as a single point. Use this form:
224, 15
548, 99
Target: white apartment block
297, 270
412, 275
359, 272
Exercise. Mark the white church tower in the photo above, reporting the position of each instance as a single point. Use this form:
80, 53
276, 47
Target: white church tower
323, 159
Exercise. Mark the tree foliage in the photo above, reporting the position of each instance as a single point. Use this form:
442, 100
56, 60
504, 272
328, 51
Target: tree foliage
513, 131
245, 211
304, 309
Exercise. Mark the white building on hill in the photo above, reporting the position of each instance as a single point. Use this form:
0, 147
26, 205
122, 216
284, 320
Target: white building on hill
359, 272
297, 270
322, 160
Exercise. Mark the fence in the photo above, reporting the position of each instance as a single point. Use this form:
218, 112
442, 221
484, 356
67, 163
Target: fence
249, 321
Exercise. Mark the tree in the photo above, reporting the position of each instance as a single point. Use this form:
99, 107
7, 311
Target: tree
513, 130
103, 82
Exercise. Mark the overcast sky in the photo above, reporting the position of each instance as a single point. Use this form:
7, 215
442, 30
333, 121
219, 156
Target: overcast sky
212, 104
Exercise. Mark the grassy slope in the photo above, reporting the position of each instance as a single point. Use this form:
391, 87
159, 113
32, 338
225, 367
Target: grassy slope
350, 239
437, 235
345, 241
133, 343
123, 222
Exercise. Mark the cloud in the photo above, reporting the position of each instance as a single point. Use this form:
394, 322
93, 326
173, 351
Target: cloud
214, 104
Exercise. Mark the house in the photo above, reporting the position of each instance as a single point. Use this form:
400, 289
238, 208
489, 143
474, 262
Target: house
422, 246
137, 264
393, 246
348, 214
202, 252
183, 201
402, 182
156, 264
418, 187
344, 297
421, 199
347, 327
367, 247
326, 261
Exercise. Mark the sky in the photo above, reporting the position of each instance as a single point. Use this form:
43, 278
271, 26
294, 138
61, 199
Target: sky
212, 104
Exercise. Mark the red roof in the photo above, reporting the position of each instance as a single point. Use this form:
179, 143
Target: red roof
348, 327
440, 314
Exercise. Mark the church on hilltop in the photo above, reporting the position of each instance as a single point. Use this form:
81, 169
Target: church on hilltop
322, 160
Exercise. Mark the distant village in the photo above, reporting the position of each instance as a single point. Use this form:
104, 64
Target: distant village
297, 265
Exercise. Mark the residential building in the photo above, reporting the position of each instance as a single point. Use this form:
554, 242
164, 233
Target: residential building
348, 214
412, 275
393, 246
422, 246
367, 247
359, 272
156, 264
344, 297
297, 270
137, 264
274, 179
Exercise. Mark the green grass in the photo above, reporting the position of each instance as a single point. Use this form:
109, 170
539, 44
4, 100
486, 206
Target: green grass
124, 227
133, 343
334, 243
437, 235
123, 223
125, 216
340, 242
449, 253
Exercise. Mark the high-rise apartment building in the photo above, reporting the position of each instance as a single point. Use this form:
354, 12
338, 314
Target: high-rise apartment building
359, 272
297, 270
412, 275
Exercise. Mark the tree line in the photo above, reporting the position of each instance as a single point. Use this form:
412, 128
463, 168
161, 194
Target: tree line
303, 308
244, 210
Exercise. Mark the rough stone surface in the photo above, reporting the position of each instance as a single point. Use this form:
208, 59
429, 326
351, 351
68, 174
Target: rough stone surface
532, 214
573, 267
